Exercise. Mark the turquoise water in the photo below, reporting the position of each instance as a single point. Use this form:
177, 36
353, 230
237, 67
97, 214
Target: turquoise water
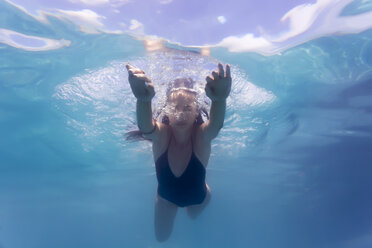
290, 168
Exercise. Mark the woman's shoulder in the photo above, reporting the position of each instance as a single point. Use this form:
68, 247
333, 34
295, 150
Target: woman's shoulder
199, 136
160, 132
159, 144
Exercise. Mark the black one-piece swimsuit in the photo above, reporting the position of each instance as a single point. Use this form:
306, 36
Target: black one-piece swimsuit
185, 190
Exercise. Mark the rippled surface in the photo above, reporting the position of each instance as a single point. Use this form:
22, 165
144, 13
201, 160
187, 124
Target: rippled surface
290, 168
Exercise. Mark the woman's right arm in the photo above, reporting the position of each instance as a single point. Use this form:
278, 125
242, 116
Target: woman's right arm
144, 117
143, 90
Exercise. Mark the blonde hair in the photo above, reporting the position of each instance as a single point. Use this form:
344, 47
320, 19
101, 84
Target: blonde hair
187, 93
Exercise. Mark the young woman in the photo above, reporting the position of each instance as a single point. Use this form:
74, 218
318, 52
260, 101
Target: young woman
182, 145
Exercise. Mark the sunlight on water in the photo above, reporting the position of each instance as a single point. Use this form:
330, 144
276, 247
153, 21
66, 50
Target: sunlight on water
99, 102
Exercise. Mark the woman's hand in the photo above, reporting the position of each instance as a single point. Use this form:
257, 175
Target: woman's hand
219, 84
141, 85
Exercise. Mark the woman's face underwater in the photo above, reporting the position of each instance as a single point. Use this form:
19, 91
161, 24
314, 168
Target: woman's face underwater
183, 110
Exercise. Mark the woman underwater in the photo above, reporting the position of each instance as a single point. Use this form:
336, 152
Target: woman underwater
181, 147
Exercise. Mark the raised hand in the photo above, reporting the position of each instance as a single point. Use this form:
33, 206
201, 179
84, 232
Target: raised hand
218, 85
141, 85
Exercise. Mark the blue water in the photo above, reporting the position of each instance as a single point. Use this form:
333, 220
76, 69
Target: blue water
290, 169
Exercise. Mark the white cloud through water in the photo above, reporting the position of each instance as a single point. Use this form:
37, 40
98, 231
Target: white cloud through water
88, 20
114, 3
306, 22
43, 44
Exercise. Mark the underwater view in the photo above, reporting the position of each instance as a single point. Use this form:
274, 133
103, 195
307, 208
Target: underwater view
290, 168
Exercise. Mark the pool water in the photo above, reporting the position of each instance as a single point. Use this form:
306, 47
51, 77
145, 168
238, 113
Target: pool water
290, 168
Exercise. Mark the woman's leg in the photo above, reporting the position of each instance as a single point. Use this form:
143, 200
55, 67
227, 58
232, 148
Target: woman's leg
195, 210
165, 212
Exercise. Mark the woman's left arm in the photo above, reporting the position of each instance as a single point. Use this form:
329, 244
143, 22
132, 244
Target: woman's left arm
217, 89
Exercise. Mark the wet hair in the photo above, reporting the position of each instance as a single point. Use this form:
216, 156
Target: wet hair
181, 84
185, 91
